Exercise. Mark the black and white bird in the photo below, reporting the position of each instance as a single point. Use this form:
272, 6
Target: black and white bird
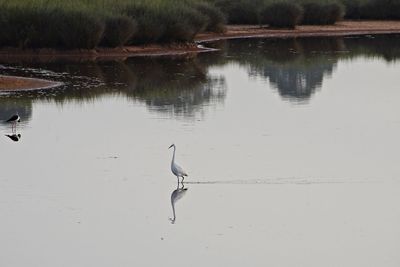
175, 168
14, 119
14, 137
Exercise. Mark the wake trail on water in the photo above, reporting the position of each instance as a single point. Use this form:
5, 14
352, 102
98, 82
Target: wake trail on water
288, 181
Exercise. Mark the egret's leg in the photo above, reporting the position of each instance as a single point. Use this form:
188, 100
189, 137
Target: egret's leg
178, 179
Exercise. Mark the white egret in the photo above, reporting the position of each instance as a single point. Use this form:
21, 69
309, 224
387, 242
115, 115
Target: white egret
175, 168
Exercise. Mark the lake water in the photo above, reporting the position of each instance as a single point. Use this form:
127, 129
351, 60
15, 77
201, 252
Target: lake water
291, 146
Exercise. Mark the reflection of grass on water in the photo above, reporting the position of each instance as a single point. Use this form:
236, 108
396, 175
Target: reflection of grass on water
380, 47
297, 67
179, 86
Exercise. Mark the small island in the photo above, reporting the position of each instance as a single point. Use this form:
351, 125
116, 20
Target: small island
15, 83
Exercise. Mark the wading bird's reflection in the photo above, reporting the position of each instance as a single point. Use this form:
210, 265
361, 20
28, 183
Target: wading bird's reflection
14, 136
177, 194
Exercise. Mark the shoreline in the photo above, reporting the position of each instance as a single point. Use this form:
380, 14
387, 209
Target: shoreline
342, 28
17, 84
13, 55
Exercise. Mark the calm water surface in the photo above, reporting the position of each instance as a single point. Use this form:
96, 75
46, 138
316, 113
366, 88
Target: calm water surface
291, 147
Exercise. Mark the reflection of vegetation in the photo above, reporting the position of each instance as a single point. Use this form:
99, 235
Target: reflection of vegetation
379, 46
176, 86
296, 67
183, 86
179, 88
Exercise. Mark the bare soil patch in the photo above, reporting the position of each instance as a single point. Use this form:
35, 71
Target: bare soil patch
15, 83
343, 28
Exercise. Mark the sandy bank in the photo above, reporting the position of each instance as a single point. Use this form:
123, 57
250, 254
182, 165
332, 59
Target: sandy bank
233, 31
15, 83
343, 28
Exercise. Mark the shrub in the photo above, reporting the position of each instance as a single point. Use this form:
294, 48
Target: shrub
182, 23
79, 29
353, 8
118, 30
381, 9
27, 27
241, 11
166, 22
216, 19
150, 28
281, 14
322, 13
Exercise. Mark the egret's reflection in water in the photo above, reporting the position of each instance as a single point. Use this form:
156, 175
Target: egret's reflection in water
177, 194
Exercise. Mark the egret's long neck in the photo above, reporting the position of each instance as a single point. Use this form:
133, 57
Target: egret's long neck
173, 157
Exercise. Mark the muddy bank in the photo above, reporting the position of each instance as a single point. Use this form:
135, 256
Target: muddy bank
15, 83
13, 55
343, 28
9, 55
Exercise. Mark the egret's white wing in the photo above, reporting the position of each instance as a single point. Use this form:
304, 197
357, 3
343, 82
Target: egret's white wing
177, 170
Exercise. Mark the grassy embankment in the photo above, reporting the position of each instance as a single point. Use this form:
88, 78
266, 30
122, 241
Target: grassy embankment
111, 23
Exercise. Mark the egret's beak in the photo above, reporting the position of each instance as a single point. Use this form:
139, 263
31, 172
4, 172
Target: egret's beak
171, 146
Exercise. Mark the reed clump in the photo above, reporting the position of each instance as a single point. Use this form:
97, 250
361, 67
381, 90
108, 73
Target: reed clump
322, 12
87, 24
119, 29
281, 14
90, 23
26, 27
216, 19
241, 11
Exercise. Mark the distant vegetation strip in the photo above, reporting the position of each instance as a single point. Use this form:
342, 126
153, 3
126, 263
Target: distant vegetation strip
88, 24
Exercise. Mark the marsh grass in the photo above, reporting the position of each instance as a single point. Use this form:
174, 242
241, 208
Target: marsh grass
322, 12
281, 14
76, 24
381, 9
216, 19
119, 29
89, 23
49, 27
241, 11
